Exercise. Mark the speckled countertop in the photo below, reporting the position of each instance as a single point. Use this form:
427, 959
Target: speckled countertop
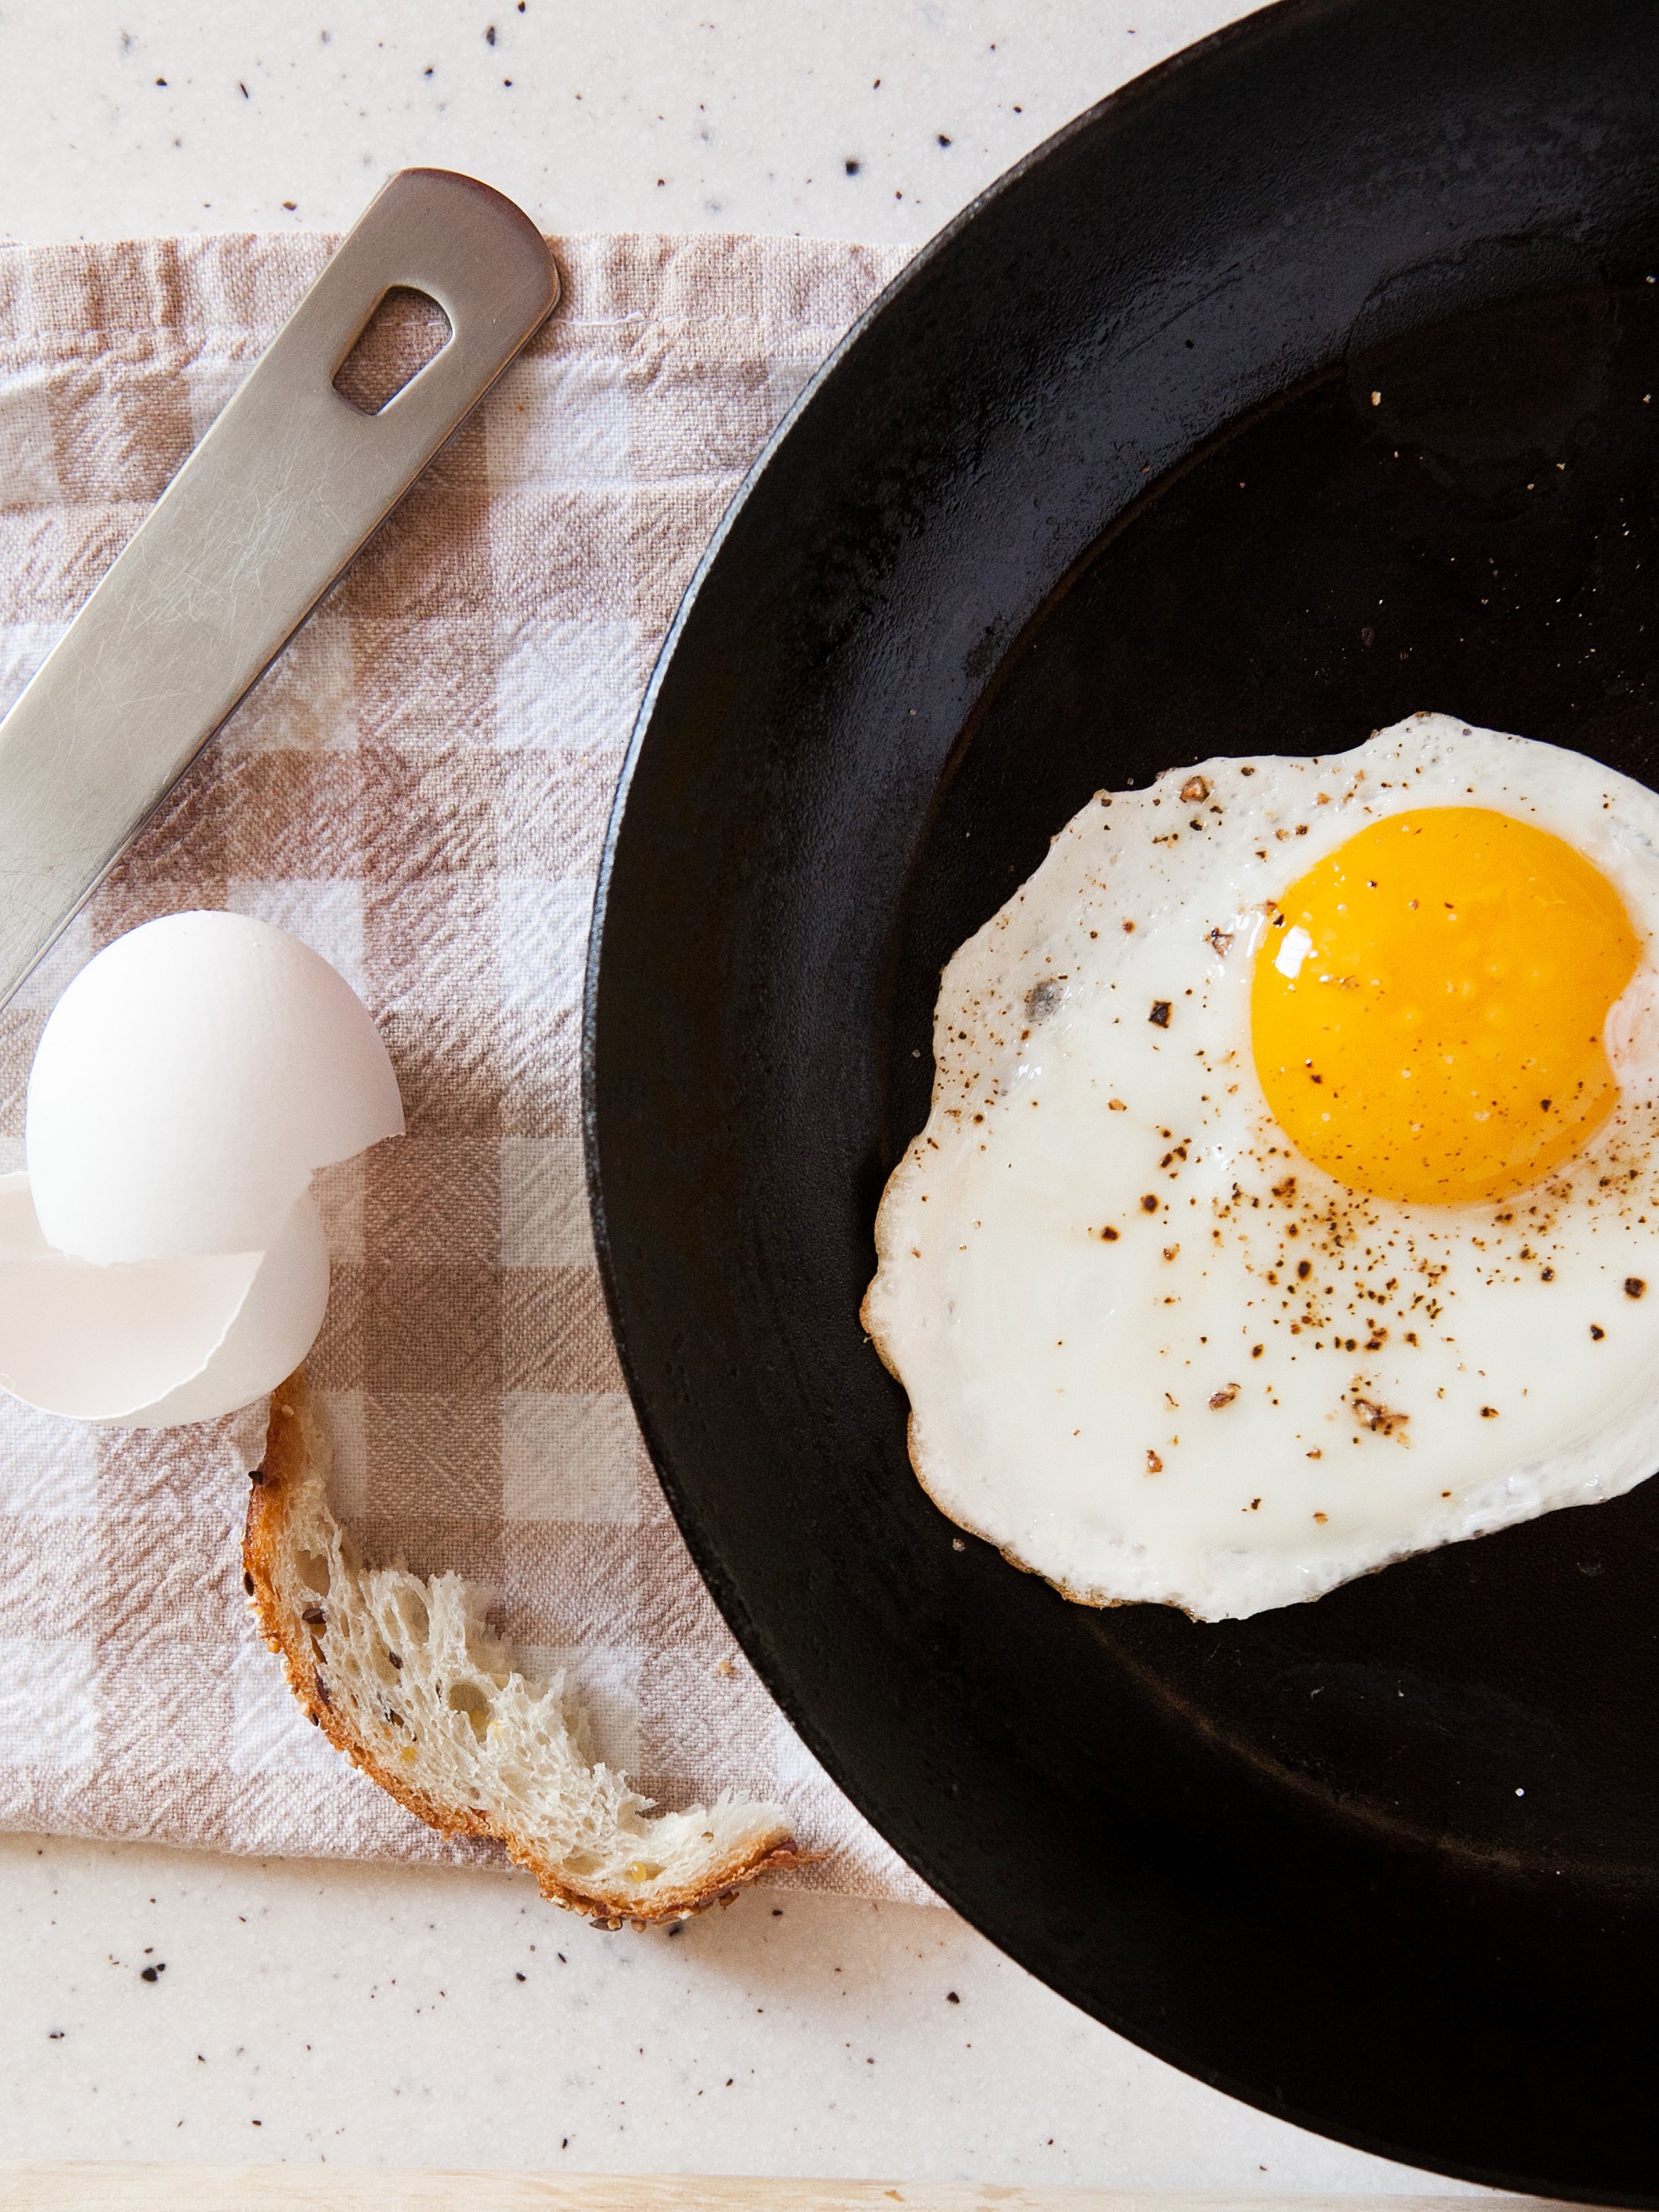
866, 118
161, 2005
368, 2015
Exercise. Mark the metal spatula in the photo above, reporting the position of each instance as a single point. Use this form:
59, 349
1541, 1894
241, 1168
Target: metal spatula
260, 520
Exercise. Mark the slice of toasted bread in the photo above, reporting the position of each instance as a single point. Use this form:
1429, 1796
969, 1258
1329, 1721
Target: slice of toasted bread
405, 1677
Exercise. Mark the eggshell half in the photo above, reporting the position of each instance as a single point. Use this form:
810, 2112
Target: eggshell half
274, 1327
187, 1083
153, 1342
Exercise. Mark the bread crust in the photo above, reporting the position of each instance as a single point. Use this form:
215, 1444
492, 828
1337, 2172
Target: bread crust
270, 1492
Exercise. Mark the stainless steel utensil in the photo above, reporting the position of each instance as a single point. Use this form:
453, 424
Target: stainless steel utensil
260, 520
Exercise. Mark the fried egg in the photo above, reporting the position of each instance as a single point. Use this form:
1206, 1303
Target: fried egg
1289, 1201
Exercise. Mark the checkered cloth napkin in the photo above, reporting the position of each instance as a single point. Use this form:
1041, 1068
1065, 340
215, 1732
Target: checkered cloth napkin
419, 789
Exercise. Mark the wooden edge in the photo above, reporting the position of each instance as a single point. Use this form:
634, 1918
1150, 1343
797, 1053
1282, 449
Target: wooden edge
55, 2185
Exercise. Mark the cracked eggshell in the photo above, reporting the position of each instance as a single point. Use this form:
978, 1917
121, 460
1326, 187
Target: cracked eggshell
149, 1343
274, 1328
187, 1083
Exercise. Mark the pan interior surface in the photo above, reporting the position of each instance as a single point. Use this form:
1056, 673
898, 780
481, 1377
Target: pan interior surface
1311, 382
1483, 536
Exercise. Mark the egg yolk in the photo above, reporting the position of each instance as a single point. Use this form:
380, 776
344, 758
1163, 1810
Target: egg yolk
1428, 1005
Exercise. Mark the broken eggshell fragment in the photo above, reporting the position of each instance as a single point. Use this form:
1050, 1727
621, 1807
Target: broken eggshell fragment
188, 1083
163, 1260
144, 1344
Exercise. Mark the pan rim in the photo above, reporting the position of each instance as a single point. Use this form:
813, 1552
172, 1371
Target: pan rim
1264, 27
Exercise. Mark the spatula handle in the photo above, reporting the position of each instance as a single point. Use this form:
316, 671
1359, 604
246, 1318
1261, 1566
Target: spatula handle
256, 524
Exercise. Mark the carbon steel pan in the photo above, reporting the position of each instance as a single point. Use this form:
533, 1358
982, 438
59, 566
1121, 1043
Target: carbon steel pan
1097, 487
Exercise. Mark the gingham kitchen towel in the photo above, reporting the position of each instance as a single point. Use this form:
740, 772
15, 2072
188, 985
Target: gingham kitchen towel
419, 789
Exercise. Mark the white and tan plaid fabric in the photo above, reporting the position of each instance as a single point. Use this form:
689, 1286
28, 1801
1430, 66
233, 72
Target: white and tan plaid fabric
419, 789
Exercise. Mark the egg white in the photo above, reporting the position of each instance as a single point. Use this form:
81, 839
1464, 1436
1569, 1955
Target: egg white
1095, 1407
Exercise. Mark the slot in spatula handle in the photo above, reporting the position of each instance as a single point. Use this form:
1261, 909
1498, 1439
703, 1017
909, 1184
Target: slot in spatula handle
256, 524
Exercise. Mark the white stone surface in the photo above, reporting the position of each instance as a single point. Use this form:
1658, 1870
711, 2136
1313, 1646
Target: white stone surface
130, 116
375, 2016
306, 2011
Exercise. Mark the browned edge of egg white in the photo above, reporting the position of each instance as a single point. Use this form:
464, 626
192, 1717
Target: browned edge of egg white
270, 1491
1075, 1596
1089, 1598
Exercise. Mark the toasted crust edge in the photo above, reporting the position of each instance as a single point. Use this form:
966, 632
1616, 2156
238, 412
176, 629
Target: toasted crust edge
270, 1491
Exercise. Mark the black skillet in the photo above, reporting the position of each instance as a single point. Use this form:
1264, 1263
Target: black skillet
1100, 486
